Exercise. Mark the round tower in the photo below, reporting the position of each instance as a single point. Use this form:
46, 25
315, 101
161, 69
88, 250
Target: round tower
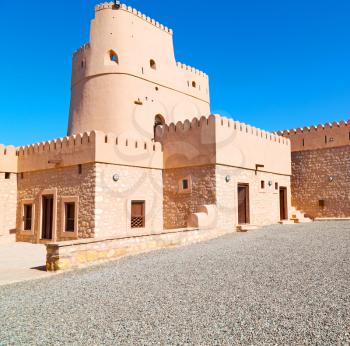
126, 79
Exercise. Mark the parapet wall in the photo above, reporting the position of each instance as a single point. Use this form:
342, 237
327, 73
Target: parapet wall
80, 149
8, 159
328, 135
219, 140
123, 7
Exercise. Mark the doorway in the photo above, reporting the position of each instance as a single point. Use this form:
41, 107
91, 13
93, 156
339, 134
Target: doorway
47, 217
283, 203
243, 204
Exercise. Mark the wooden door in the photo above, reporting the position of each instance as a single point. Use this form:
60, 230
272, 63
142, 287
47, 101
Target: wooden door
283, 203
47, 217
243, 204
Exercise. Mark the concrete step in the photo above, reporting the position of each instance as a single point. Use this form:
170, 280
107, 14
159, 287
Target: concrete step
246, 228
286, 222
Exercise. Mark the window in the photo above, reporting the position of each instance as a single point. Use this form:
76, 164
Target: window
194, 84
7, 175
276, 186
153, 64
113, 57
262, 184
69, 212
27, 217
185, 184
138, 214
80, 169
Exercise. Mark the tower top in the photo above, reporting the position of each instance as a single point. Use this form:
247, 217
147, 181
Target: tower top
123, 7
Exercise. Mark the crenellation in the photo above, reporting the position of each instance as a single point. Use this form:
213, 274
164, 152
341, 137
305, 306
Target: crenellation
332, 134
123, 7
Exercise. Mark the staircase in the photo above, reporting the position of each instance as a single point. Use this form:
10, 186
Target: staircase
296, 217
205, 218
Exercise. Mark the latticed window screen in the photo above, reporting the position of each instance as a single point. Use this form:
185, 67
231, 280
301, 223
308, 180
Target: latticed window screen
137, 214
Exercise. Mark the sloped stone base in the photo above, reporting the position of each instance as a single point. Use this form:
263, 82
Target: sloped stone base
77, 254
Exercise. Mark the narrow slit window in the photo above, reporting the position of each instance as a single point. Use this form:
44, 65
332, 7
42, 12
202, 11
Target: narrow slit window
262, 184
27, 217
69, 213
138, 214
276, 186
194, 84
7, 175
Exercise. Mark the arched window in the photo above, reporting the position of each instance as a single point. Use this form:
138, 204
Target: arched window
113, 56
158, 120
153, 64
194, 84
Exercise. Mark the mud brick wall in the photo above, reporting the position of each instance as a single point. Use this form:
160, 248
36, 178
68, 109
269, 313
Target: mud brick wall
8, 201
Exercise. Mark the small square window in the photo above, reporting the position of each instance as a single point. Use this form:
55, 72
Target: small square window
27, 217
69, 213
276, 186
7, 175
262, 184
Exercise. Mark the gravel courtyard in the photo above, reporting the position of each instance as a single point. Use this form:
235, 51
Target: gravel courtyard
281, 285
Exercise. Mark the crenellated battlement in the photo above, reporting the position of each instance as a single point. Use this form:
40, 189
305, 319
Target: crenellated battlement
82, 49
223, 123
123, 7
320, 136
89, 147
222, 141
8, 158
191, 69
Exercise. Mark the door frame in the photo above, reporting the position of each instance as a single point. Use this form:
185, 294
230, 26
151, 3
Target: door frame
285, 202
49, 192
247, 206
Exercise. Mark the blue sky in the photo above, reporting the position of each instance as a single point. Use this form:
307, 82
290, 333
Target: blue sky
274, 64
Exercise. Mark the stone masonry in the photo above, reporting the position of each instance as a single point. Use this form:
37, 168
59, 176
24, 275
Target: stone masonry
68, 183
179, 205
322, 174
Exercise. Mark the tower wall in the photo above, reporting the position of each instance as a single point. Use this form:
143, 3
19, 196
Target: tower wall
124, 96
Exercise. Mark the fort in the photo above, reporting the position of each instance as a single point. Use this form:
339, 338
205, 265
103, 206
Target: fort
145, 158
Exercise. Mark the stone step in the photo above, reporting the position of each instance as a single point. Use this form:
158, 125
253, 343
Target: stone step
287, 222
246, 228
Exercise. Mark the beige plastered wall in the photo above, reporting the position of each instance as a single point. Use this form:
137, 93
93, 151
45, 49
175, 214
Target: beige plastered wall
116, 187
8, 202
103, 91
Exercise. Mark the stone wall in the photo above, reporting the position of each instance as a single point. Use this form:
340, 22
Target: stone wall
264, 203
66, 182
322, 174
8, 201
113, 199
66, 256
179, 205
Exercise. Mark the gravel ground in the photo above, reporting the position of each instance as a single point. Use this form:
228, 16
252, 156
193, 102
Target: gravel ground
282, 285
